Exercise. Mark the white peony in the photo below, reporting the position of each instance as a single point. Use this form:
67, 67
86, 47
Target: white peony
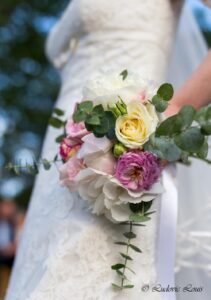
106, 196
107, 89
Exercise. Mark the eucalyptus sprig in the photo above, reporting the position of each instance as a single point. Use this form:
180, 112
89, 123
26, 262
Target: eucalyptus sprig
31, 168
180, 136
139, 214
57, 121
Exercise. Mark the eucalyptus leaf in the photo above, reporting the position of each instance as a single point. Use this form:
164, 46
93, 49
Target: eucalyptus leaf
159, 103
117, 266
116, 286
128, 286
190, 140
56, 122
60, 138
164, 148
126, 256
206, 128
200, 115
208, 113
46, 164
58, 112
124, 74
140, 207
170, 126
139, 218
135, 248
129, 235
187, 115
121, 243
166, 91
203, 151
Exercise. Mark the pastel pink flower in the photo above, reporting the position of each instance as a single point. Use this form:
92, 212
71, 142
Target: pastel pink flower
68, 149
76, 131
69, 171
138, 170
104, 163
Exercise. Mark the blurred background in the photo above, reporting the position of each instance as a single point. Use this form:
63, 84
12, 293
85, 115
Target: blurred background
28, 89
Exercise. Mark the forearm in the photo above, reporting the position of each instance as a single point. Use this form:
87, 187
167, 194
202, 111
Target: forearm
196, 91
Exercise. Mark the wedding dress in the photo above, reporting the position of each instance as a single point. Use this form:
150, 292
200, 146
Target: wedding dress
66, 252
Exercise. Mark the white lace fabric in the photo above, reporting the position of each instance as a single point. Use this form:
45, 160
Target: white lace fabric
66, 252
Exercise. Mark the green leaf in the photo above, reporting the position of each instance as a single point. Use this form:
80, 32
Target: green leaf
46, 164
126, 256
135, 248
120, 273
164, 148
190, 140
85, 106
129, 235
187, 115
170, 126
208, 113
79, 116
139, 218
203, 151
60, 138
99, 110
185, 157
117, 266
55, 158
58, 112
116, 286
140, 207
200, 115
166, 91
121, 243
159, 103
93, 120
111, 119
206, 128
55, 122
111, 135
124, 74
103, 128
130, 270
128, 286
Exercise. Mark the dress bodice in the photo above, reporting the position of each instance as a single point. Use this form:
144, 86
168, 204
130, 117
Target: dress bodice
97, 34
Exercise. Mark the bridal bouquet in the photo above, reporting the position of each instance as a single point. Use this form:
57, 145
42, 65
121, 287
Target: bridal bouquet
116, 144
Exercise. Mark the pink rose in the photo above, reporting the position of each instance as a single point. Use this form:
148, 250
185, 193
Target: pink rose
76, 131
138, 170
69, 170
68, 149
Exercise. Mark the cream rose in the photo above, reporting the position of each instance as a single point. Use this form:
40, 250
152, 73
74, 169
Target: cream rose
134, 128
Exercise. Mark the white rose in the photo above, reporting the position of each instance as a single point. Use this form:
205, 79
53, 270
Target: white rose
134, 128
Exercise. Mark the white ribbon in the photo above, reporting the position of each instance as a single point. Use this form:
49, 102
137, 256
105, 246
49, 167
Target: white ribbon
167, 235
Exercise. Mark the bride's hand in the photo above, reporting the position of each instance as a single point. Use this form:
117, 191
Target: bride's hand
196, 91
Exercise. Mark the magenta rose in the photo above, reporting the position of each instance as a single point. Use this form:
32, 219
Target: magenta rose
76, 131
138, 170
68, 149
